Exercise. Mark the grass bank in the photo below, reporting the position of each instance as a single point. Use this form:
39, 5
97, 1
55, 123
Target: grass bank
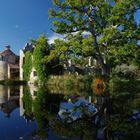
84, 82
71, 81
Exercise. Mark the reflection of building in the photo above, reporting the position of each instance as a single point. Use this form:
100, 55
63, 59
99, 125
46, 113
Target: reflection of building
9, 64
33, 74
3, 94
9, 100
33, 91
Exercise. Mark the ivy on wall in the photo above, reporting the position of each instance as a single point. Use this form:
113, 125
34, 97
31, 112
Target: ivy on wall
39, 60
40, 54
27, 66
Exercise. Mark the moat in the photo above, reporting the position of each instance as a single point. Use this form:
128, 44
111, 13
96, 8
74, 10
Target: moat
31, 113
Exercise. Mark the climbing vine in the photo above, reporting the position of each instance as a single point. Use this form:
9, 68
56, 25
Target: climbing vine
27, 66
40, 54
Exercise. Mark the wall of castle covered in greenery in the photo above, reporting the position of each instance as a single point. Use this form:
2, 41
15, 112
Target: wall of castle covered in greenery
27, 67
38, 59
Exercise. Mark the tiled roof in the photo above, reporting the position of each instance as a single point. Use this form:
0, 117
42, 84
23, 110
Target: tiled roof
8, 52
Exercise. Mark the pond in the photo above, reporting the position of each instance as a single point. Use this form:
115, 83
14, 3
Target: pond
31, 113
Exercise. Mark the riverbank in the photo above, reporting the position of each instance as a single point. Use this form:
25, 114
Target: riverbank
70, 81
85, 83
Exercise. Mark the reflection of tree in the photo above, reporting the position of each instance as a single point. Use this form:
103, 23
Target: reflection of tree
124, 103
68, 90
45, 105
40, 112
27, 102
115, 111
81, 128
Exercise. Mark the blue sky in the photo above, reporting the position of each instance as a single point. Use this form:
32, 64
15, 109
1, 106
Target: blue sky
21, 20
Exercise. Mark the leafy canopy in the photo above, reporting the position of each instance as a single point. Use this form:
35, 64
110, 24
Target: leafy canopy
111, 24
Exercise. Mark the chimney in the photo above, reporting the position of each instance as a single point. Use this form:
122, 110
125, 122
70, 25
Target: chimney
8, 47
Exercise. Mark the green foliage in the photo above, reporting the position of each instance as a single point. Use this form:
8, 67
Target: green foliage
40, 112
127, 71
76, 129
43, 59
27, 101
59, 51
113, 28
27, 66
118, 84
80, 84
76, 48
40, 53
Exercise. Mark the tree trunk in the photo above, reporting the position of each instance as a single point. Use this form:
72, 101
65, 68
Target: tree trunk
105, 67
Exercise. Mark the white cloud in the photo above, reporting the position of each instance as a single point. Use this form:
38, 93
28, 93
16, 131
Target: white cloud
55, 36
85, 33
59, 36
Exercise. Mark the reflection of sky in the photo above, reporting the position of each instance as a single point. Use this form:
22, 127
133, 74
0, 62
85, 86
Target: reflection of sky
137, 16
14, 127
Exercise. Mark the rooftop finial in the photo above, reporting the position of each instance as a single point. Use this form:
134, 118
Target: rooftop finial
8, 47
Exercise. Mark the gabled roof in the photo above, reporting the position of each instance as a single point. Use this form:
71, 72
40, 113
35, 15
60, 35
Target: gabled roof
8, 52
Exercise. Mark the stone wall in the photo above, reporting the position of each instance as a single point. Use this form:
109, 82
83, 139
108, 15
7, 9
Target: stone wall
3, 70
21, 61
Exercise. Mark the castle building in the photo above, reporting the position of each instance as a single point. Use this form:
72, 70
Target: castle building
33, 75
9, 65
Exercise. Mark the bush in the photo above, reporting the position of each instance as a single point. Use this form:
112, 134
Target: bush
127, 71
71, 81
121, 85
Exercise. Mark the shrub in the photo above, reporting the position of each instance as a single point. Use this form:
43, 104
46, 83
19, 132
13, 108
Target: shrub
126, 71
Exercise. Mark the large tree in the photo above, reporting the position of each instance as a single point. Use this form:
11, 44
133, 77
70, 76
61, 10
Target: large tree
41, 59
76, 47
111, 24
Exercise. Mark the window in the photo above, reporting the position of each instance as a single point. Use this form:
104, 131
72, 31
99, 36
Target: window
35, 93
34, 73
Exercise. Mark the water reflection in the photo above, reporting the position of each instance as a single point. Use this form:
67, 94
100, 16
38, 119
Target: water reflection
9, 100
118, 115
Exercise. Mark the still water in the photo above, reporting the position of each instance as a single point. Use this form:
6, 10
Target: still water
31, 113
